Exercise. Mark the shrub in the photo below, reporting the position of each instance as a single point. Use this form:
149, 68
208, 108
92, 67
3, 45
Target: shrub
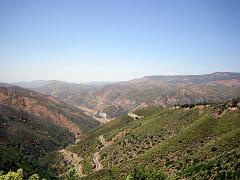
18, 175
141, 173
71, 174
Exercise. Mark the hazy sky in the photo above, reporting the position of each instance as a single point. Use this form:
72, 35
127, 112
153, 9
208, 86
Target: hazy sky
110, 40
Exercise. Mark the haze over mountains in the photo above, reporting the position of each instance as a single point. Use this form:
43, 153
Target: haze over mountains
117, 98
140, 117
161, 99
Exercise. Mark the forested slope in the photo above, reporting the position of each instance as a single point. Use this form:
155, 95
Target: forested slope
198, 142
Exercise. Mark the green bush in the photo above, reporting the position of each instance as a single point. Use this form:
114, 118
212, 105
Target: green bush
18, 175
142, 173
71, 174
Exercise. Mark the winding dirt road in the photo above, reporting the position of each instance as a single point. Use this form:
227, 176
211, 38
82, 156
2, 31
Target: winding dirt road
96, 155
96, 158
73, 159
102, 140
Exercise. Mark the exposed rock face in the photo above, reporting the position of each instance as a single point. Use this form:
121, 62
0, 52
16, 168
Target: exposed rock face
228, 83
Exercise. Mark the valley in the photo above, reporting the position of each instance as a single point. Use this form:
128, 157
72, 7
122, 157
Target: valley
119, 90
108, 101
154, 127
33, 124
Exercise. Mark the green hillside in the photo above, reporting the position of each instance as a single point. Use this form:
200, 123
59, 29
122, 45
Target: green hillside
197, 143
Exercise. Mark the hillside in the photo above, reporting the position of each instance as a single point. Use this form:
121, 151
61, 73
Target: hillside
178, 142
75, 94
33, 124
200, 142
168, 90
118, 98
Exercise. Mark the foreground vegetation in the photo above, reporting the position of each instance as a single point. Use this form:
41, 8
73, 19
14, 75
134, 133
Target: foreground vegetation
197, 142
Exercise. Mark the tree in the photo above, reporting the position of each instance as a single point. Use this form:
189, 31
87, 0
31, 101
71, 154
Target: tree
17, 176
12, 175
34, 177
142, 173
71, 174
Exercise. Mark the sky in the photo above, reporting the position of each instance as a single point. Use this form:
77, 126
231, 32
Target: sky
113, 40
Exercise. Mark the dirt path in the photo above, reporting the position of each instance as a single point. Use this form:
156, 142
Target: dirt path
134, 116
105, 144
102, 140
96, 158
73, 159
102, 117
96, 155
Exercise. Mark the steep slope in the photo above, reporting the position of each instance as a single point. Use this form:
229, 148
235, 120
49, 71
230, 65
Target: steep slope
168, 90
79, 95
172, 142
47, 107
33, 124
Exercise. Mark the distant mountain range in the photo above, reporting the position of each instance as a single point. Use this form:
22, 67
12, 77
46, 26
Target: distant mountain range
114, 99
41, 83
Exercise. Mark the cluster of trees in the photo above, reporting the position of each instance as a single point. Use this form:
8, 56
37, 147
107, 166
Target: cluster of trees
225, 166
233, 103
229, 104
141, 173
71, 174
18, 175
191, 105
11, 159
